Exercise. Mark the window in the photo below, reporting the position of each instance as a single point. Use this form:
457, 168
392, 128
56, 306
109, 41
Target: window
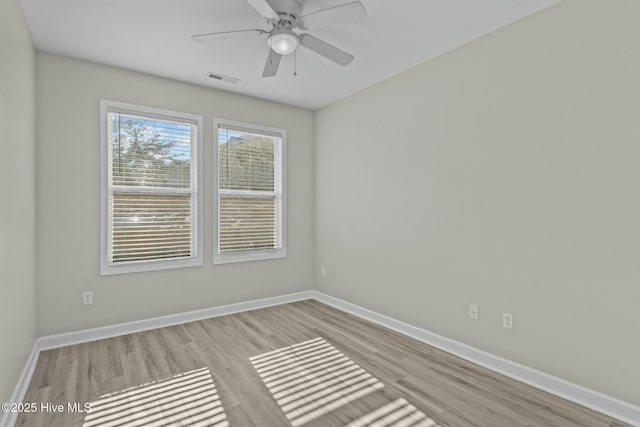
151, 176
249, 192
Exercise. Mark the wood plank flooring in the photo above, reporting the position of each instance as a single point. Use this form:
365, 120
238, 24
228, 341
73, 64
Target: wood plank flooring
302, 363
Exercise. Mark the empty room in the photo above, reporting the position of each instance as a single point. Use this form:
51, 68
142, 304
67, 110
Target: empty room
274, 213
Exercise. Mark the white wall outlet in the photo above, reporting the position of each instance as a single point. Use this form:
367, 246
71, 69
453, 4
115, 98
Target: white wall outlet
507, 320
474, 311
323, 271
87, 297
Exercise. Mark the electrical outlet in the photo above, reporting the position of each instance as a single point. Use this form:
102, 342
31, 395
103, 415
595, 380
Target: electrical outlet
87, 297
507, 320
474, 311
323, 271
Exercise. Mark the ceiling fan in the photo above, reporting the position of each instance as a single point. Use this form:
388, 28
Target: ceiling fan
285, 16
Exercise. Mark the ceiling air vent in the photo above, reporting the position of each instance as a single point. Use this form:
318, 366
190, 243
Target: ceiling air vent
223, 78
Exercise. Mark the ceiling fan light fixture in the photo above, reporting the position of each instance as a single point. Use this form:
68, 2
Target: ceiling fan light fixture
283, 42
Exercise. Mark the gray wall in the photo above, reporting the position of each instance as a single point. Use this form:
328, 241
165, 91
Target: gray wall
504, 173
68, 162
17, 196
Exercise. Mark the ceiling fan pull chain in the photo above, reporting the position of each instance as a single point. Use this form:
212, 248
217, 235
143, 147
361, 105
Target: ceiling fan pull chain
295, 62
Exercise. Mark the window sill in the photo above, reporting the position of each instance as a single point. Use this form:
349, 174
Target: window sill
254, 256
133, 267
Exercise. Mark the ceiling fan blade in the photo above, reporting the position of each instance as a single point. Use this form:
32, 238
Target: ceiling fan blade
325, 49
263, 8
273, 62
347, 12
210, 36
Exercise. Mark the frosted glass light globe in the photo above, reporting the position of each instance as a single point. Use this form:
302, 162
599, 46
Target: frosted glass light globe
283, 41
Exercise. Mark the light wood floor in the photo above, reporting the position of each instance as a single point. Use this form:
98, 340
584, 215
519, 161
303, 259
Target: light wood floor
296, 364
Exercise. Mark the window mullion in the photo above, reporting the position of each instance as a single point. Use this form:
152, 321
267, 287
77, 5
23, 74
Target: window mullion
248, 194
124, 189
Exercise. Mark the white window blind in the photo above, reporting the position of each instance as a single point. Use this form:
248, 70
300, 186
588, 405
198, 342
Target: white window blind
152, 200
249, 164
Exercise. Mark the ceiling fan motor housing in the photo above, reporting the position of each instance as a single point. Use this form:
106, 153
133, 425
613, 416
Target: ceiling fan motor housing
283, 40
289, 12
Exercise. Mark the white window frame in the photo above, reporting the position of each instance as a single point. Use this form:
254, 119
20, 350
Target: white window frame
257, 255
106, 266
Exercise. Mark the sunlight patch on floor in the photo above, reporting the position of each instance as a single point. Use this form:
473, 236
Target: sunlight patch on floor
398, 413
312, 378
189, 399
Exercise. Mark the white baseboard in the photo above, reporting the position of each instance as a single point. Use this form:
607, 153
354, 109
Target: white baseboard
597, 401
9, 418
573, 392
77, 337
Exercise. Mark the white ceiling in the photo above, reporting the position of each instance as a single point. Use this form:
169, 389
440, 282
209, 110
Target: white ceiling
153, 36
